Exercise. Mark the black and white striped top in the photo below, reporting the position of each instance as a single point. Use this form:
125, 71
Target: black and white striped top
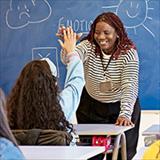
123, 73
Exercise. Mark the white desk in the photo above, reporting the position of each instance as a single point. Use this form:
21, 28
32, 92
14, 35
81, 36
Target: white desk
152, 130
106, 129
60, 152
100, 129
151, 134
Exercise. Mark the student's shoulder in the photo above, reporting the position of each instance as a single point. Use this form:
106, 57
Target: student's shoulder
5, 146
9, 151
152, 152
4, 143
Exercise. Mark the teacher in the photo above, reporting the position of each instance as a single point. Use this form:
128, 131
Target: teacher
111, 68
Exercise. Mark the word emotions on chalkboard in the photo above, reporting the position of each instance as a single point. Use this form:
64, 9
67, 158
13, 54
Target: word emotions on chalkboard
133, 13
22, 13
78, 25
46, 52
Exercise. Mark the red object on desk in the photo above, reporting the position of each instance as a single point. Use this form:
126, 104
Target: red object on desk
101, 141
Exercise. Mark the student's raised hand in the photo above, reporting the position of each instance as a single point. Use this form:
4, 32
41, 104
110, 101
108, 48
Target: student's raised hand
69, 40
60, 35
122, 121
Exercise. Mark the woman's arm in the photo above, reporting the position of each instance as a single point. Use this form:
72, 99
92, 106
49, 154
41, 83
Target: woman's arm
81, 49
129, 87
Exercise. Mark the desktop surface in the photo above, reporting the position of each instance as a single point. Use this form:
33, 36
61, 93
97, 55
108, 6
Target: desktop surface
100, 129
60, 152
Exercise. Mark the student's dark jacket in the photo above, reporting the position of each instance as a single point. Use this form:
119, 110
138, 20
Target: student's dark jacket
42, 137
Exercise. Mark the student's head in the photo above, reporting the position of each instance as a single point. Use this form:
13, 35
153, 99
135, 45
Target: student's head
108, 34
5, 131
33, 101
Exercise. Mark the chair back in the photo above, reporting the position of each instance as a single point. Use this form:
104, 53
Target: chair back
42, 137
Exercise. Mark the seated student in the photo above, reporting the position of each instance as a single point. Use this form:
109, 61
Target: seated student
8, 146
35, 101
152, 152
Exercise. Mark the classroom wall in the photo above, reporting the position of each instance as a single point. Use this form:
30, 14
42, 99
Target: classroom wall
28, 27
33, 36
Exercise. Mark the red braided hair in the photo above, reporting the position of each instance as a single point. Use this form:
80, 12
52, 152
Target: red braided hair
123, 42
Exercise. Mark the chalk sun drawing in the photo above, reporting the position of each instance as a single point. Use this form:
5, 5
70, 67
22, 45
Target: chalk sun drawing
133, 13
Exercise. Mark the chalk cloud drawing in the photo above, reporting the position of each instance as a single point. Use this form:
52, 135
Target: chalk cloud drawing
134, 13
22, 12
46, 52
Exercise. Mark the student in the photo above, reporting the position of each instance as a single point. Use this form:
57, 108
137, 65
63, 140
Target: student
152, 152
35, 101
8, 145
111, 68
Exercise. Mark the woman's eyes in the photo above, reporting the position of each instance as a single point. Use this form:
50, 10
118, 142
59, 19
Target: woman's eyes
106, 33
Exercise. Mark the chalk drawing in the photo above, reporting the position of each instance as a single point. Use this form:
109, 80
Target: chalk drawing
78, 25
24, 12
46, 52
134, 13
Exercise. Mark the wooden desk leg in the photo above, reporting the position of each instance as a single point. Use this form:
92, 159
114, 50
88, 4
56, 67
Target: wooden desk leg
123, 147
116, 147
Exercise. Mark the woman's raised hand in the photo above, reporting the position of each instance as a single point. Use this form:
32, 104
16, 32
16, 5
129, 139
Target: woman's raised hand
61, 36
69, 40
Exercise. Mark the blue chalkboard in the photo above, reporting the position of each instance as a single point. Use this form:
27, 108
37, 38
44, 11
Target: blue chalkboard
28, 27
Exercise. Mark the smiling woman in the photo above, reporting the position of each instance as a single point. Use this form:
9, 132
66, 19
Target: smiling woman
111, 72
105, 36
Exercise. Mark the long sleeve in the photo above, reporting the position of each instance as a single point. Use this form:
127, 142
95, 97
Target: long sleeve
129, 83
8, 151
74, 83
81, 49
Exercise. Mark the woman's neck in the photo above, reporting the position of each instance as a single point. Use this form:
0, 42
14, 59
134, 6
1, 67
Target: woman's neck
108, 52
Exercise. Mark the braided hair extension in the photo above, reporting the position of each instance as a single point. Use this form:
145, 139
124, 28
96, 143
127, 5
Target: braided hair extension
123, 42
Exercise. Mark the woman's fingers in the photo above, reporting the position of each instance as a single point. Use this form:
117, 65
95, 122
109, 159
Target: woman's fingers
61, 43
122, 121
60, 32
79, 35
69, 32
64, 34
69, 40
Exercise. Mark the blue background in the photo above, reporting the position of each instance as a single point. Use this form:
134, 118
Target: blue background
28, 27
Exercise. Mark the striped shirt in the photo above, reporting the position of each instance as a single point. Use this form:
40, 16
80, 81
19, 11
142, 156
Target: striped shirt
123, 73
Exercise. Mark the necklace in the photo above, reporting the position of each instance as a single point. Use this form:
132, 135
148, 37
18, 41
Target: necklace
105, 68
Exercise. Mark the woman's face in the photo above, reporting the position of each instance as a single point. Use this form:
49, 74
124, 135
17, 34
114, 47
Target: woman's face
105, 35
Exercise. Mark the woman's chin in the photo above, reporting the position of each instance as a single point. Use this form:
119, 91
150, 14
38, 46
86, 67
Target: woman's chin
104, 48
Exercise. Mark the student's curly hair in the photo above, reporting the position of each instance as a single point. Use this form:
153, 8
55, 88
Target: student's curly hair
123, 42
33, 102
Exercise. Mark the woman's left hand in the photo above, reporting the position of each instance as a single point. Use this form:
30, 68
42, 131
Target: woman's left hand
123, 121
69, 42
